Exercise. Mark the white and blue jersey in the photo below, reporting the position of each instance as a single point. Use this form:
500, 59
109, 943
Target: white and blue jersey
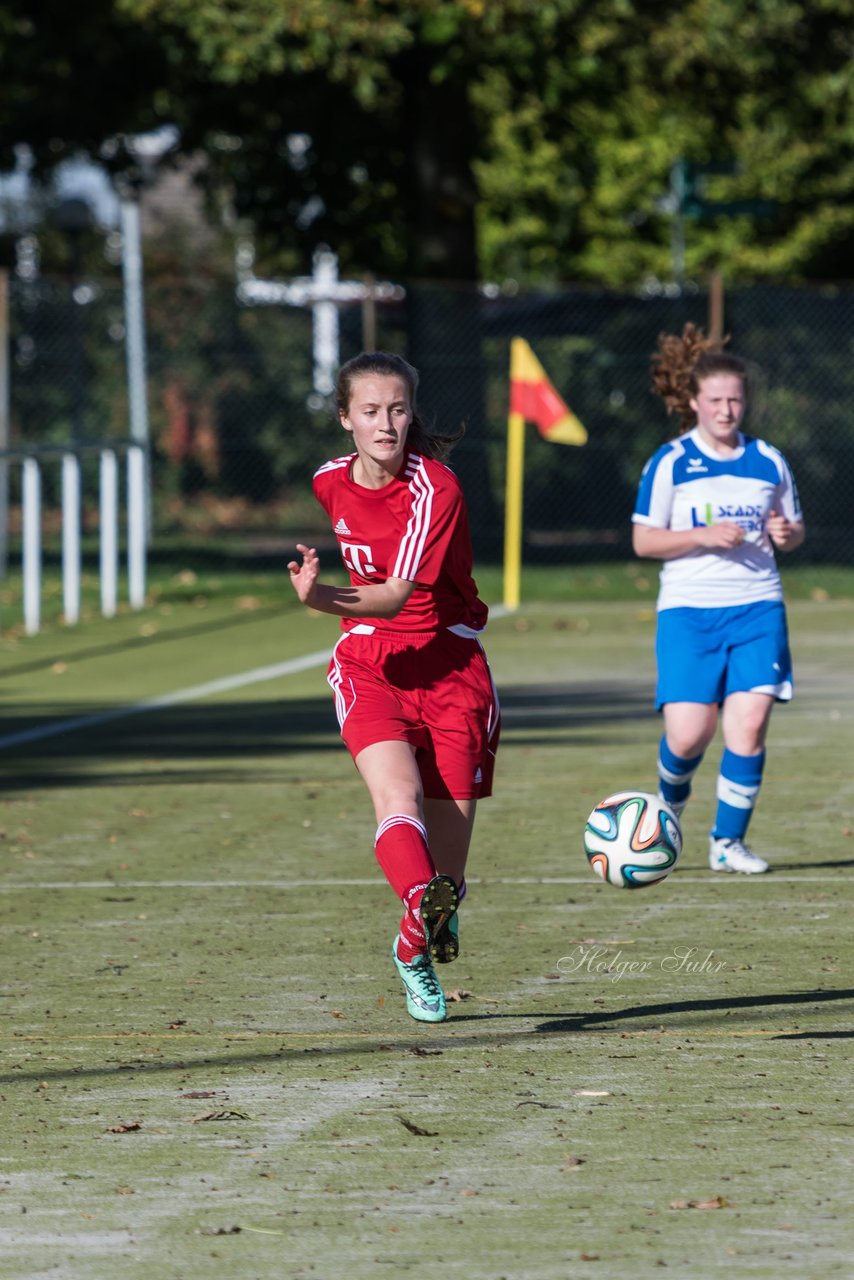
686, 484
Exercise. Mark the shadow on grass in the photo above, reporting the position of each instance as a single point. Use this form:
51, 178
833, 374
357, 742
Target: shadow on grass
433, 1038
227, 733
815, 1035
151, 641
126, 746
529, 706
813, 866
726, 1005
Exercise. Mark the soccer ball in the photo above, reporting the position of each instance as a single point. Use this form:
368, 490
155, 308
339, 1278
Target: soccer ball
632, 839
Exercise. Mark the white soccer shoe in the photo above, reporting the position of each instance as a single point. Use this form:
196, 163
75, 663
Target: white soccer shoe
732, 855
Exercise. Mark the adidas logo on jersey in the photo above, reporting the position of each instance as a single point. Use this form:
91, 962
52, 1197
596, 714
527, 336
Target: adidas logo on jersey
341, 527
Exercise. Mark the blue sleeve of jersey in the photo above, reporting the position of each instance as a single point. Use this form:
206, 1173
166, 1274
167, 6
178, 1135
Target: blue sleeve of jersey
797, 513
643, 503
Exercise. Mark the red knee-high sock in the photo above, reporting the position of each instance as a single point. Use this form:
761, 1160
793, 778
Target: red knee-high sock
401, 850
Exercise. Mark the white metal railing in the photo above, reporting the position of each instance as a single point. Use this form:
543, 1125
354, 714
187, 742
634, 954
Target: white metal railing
32, 462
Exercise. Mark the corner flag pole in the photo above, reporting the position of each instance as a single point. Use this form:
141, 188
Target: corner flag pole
513, 510
532, 399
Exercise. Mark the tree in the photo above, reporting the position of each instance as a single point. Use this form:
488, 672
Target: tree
74, 76
466, 139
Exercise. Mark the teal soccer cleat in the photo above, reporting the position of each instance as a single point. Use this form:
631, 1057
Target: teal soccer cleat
425, 999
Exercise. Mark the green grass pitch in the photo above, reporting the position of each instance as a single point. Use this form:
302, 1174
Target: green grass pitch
207, 1068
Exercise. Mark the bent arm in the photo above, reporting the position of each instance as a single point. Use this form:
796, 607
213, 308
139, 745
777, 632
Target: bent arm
669, 544
376, 600
786, 534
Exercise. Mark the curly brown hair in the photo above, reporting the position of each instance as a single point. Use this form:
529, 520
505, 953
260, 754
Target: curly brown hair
681, 363
385, 364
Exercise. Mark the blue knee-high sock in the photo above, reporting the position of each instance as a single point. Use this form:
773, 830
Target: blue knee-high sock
738, 786
674, 776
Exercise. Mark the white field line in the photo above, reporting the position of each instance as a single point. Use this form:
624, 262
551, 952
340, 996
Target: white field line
368, 882
224, 685
192, 694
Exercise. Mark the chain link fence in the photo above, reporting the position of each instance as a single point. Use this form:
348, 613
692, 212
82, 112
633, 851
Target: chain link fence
237, 427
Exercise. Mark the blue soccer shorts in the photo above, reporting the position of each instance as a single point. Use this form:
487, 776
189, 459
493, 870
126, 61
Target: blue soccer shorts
703, 655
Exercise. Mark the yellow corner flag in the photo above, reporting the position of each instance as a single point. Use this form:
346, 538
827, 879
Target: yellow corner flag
532, 399
533, 396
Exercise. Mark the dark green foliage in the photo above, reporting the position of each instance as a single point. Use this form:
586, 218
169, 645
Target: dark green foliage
462, 140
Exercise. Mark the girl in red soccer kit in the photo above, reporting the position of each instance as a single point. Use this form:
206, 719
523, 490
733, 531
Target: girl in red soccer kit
413, 692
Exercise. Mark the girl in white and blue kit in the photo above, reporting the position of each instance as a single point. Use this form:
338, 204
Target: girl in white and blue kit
714, 505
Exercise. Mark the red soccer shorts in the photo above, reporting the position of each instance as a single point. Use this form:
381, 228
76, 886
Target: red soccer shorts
432, 690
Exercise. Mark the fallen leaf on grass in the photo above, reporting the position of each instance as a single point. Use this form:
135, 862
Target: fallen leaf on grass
588, 1257
572, 1162
200, 1093
717, 1203
457, 995
125, 1191
424, 1053
416, 1129
130, 1127
220, 1115
220, 1231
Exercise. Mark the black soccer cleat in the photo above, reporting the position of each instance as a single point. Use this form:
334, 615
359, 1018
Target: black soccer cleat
438, 910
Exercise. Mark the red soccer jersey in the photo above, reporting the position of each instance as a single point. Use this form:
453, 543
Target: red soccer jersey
415, 528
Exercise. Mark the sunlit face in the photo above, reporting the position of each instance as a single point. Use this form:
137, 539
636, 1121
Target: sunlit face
378, 417
719, 405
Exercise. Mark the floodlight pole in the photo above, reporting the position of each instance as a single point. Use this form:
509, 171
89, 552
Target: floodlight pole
134, 319
716, 306
677, 225
135, 354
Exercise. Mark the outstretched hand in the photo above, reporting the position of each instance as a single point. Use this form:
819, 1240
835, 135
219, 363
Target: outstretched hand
304, 576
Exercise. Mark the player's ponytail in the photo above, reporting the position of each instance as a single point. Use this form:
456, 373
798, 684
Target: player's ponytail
385, 364
682, 362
